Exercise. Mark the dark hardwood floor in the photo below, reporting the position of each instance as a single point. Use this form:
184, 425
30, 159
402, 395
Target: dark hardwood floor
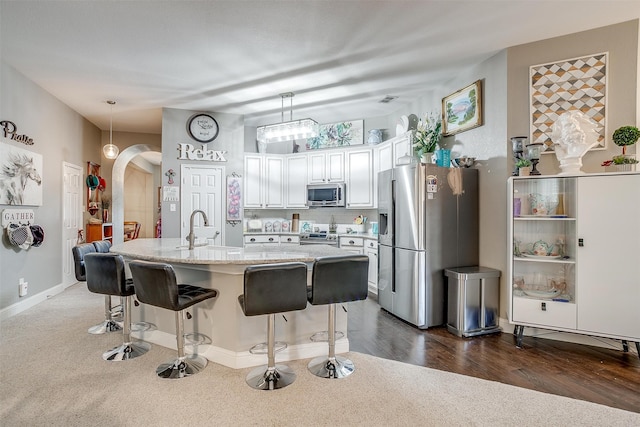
605, 376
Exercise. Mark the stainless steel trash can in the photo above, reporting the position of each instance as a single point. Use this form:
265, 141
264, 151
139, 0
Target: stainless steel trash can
473, 299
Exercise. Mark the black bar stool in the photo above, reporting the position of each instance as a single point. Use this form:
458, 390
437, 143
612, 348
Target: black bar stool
271, 289
336, 279
105, 275
156, 285
109, 324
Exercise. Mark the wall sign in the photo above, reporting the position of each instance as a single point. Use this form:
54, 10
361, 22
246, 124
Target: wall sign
189, 152
10, 130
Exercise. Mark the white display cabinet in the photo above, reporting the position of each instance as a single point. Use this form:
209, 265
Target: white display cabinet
574, 264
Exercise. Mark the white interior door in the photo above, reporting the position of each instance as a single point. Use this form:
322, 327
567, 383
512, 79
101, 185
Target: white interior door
202, 188
73, 197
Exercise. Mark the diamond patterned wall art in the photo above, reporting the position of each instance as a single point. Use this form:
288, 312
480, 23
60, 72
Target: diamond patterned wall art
571, 84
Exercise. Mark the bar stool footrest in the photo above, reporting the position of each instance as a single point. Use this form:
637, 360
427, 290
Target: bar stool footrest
196, 338
143, 327
263, 348
323, 336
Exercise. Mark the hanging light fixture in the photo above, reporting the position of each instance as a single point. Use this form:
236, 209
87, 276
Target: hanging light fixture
286, 131
111, 151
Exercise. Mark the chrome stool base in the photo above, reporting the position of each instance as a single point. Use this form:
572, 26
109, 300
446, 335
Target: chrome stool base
126, 351
105, 327
327, 367
265, 378
182, 367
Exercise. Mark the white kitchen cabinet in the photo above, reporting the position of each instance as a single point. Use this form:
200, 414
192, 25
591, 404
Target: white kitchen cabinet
371, 250
326, 167
262, 239
264, 181
574, 264
360, 180
296, 182
393, 150
351, 244
385, 156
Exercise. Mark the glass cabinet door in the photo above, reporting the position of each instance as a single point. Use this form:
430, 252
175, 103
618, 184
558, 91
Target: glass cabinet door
544, 250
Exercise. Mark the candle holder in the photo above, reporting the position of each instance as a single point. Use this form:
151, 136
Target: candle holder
517, 144
533, 154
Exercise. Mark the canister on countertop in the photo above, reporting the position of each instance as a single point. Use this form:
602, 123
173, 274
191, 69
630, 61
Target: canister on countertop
294, 222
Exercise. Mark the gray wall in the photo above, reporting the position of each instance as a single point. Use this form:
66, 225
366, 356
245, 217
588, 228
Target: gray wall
60, 135
231, 139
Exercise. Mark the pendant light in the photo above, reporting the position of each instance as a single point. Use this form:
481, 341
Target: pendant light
110, 151
286, 131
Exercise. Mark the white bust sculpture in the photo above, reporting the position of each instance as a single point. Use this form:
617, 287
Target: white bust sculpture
573, 135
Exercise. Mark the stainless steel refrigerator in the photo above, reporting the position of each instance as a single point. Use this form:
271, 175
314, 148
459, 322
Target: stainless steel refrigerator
427, 222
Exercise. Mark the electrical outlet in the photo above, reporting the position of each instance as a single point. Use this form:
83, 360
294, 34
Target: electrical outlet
22, 286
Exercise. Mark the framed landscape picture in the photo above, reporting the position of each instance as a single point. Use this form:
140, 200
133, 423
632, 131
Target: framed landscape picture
342, 134
571, 84
462, 110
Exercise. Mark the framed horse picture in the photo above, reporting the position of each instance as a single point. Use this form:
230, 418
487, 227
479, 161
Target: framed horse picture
20, 176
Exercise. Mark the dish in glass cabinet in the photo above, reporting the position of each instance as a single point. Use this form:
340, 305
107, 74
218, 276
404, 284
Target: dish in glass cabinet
526, 255
542, 294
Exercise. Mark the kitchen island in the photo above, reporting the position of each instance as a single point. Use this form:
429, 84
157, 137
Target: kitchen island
228, 333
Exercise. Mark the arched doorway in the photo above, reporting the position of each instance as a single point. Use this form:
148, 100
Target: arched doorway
117, 185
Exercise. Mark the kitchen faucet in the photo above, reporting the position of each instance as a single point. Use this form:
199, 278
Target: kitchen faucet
191, 237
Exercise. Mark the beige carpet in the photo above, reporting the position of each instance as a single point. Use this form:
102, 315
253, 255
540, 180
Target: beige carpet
53, 374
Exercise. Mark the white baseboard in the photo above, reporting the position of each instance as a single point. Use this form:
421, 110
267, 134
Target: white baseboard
576, 338
27, 303
243, 359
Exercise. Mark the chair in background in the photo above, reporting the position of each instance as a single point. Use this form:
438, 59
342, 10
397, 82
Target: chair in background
106, 275
155, 284
131, 230
271, 289
336, 279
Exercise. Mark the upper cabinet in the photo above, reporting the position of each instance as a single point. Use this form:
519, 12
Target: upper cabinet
264, 181
392, 150
360, 179
296, 182
326, 167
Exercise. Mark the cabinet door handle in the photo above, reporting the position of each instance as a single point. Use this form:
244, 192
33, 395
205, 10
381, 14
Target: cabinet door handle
581, 242
351, 242
271, 239
252, 240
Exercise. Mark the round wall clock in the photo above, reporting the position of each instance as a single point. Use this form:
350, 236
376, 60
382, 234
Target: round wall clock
202, 127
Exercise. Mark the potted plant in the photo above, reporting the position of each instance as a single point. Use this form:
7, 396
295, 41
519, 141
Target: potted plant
524, 167
623, 137
427, 136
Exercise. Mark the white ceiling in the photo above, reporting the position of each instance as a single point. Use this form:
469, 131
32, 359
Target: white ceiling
340, 58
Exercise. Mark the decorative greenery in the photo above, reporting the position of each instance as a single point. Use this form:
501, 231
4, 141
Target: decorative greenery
523, 163
626, 135
428, 134
624, 160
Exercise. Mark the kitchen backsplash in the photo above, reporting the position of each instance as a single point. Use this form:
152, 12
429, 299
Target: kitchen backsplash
320, 217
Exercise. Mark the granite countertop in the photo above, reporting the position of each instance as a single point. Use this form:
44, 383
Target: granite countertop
174, 250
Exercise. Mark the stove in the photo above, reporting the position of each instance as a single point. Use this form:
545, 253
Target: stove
322, 238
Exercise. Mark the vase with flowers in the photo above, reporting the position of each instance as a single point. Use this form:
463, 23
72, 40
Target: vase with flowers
427, 136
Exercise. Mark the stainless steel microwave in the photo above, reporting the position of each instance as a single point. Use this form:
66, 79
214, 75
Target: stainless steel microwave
325, 195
